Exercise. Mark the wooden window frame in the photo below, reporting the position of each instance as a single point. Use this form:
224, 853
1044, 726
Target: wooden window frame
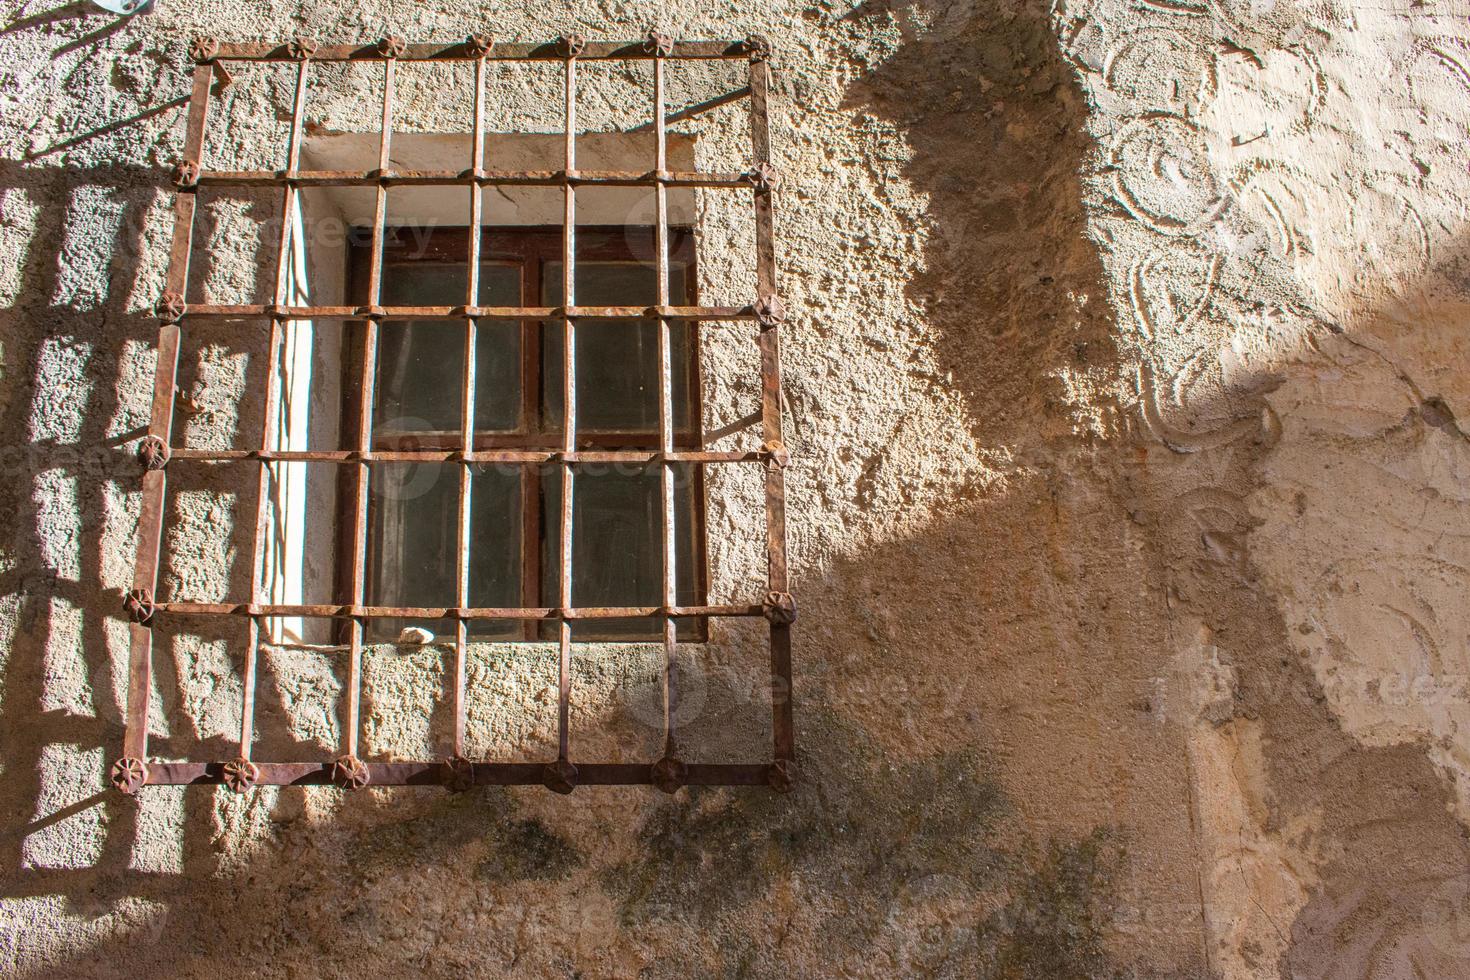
530, 247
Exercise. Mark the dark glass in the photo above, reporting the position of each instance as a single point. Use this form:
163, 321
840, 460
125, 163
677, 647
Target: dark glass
617, 361
421, 362
415, 520
617, 547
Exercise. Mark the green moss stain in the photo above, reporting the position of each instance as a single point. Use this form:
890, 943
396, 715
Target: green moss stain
1059, 911
909, 856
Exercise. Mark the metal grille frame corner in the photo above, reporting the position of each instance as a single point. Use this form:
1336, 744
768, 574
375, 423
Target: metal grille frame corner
134, 770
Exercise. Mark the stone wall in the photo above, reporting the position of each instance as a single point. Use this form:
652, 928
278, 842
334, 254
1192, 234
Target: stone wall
1127, 515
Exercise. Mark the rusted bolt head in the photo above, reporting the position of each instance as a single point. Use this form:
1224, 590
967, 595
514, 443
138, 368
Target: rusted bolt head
777, 453
559, 776
669, 774
658, 43
128, 775
240, 775
138, 604
170, 306
458, 774
203, 48
392, 46
186, 173
572, 44
769, 310
350, 772
301, 48
758, 46
764, 177
480, 44
779, 608
781, 776
153, 453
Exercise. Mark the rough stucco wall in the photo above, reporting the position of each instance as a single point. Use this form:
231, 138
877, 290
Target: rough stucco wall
1127, 517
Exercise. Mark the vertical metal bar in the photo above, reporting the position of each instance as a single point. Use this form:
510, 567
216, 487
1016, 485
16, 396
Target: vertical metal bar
160, 427
569, 412
467, 417
783, 734
665, 405
268, 433
365, 424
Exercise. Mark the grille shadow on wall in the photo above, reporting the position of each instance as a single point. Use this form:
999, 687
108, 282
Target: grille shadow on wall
283, 312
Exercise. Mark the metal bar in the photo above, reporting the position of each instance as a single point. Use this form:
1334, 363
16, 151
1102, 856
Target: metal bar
366, 382
500, 51
268, 434
160, 428
782, 724
665, 409
458, 313
385, 176
526, 457
467, 417
358, 611
689, 112
569, 419
438, 773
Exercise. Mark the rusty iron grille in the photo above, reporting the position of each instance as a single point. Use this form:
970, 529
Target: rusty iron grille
774, 602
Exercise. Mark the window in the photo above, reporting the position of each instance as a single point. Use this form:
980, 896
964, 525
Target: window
617, 523
553, 372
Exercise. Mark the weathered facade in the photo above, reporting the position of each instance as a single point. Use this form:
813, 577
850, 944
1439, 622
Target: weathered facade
1126, 507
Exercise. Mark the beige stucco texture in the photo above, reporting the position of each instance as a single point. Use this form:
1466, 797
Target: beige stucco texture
1127, 507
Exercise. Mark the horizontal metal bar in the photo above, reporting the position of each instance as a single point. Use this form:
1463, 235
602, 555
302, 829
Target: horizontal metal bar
450, 612
484, 178
510, 456
437, 773
499, 51
459, 313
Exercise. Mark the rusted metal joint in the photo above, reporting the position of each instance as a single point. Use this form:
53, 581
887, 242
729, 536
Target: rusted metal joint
350, 772
776, 453
153, 453
769, 310
758, 46
392, 46
139, 606
458, 774
779, 608
186, 173
128, 775
764, 177
781, 777
301, 48
658, 44
571, 44
479, 45
203, 48
373, 312
170, 307
670, 774
240, 775
559, 776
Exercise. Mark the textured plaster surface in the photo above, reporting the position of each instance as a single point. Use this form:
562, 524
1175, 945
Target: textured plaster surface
1127, 513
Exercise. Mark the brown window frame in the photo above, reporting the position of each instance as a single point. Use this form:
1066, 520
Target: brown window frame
530, 247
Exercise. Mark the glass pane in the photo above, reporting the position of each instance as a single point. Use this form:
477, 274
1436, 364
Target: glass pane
415, 520
420, 362
617, 361
617, 551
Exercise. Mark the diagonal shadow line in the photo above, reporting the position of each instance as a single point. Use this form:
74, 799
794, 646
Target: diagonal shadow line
111, 127
67, 11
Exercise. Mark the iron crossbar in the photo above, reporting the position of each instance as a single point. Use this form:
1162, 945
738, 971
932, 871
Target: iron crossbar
349, 770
